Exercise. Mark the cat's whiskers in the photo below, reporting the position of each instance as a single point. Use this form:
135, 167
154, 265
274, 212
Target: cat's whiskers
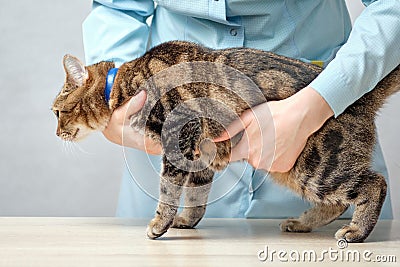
64, 145
72, 147
80, 148
68, 148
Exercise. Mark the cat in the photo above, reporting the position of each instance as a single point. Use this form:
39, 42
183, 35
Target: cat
332, 172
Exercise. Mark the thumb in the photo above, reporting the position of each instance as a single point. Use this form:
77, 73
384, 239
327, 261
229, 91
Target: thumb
135, 104
236, 126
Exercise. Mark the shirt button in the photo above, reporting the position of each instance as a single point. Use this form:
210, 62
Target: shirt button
233, 32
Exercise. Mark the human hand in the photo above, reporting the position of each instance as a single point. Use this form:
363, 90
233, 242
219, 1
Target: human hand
277, 131
119, 131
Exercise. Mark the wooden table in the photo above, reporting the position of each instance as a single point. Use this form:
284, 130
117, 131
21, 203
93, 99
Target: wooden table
216, 242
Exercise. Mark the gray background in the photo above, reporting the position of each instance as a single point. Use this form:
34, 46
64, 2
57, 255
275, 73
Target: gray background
38, 175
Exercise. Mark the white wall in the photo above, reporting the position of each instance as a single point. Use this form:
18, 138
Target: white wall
39, 178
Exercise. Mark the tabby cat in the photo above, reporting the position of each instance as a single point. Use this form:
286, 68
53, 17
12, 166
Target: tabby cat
333, 171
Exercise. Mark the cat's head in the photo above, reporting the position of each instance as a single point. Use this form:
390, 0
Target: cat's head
79, 107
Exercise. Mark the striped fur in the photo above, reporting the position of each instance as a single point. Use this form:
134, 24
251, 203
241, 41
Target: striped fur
333, 171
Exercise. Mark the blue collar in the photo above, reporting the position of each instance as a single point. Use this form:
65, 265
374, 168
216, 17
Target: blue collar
109, 83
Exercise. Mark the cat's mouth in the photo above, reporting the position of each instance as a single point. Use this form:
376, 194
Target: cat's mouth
68, 136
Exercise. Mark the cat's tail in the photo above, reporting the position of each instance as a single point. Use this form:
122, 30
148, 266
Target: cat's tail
391, 83
383, 90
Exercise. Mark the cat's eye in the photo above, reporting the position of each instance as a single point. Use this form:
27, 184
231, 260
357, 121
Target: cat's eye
57, 113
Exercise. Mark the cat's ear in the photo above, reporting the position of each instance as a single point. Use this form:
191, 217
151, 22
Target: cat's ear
75, 70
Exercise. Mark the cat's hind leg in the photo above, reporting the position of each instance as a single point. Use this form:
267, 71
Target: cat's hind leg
368, 196
196, 193
319, 215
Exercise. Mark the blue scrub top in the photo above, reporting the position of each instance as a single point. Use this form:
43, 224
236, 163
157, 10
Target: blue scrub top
355, 60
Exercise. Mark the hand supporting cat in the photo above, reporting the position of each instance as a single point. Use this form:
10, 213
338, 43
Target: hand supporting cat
120, 123
291, 121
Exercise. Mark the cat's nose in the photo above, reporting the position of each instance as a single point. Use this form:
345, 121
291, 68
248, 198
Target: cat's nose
58, 132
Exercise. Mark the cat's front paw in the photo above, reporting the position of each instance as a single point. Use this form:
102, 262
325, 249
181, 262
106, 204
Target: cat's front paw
351, 233
294, 225
181, 223
184, 223
155, 228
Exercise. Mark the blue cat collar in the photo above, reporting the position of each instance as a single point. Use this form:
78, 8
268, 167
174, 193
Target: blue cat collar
109, 83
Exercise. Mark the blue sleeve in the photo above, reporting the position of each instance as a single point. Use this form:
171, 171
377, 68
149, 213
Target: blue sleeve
370, 53
214, 10
116, 30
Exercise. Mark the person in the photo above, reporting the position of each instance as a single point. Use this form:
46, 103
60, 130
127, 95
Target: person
317, 31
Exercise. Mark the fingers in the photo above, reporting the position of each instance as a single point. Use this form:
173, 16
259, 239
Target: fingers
134, 105
236, 126
120, 118
241, 150
152, 147
130, 138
